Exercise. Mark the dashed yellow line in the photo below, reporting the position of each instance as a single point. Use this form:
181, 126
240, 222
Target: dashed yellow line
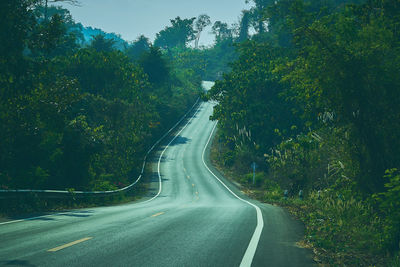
157, 214
69, 244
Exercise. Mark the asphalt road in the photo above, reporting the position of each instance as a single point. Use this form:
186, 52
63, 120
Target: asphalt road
195, 218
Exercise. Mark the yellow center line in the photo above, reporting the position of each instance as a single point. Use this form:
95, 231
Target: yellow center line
69, 244
157, 214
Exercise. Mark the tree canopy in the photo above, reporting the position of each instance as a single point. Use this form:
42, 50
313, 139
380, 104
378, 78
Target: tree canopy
178, 34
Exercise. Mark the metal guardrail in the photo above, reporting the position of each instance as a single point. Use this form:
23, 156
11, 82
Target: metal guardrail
61, 193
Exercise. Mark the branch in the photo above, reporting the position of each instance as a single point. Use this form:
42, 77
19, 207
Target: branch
71, 2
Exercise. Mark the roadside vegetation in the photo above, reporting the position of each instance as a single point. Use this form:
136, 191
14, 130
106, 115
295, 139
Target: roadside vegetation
80, 116
314, 100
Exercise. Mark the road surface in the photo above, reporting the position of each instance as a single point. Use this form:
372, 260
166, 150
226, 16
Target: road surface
192, 217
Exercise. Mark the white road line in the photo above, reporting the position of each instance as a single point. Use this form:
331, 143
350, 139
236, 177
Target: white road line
252, 247
162, 154
34, 218
27, 219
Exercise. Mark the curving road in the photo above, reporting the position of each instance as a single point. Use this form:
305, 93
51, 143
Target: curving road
192, 217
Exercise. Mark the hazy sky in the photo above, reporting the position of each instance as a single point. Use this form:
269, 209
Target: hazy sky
130, 18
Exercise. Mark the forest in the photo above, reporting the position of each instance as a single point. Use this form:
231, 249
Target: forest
80, 115
314, 100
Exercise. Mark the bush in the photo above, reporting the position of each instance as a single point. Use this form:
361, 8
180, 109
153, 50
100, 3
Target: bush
272, 191
389, 206
104, 185
248, 179
347, 230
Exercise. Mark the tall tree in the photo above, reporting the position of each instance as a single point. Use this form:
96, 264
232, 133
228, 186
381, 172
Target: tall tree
16, 22
46, 5
177, 35
154, 65
244, 26
221, 31
101, 44
200, 24
257, 13
138, 47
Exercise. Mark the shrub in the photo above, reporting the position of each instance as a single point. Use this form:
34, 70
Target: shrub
389, 206
346, 227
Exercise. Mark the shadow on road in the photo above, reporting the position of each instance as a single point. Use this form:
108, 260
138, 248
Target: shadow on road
180, 140
15, 263
82, 214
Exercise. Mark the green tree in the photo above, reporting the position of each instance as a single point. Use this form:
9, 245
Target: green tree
257, 14
177, 35
244, 26
221, 31
251, 109
200, 24
138, 47
50, 38
346, 67
155, 65
101, 44
45, 3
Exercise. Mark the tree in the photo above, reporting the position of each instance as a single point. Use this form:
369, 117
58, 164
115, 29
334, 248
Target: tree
244, 26
17, 20
347, 67
177, 35
50, 38
202, 22
101, 44
221, 31
138, 47
46, 3
154, 65
250, 103
257, 13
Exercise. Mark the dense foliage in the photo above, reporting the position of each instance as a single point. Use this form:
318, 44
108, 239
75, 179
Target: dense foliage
314, 99
76, 116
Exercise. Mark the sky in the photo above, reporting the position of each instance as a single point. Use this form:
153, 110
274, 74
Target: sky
131, 18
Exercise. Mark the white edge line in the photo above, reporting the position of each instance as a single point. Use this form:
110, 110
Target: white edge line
252, 247
34, 218
140, 176
161, 156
